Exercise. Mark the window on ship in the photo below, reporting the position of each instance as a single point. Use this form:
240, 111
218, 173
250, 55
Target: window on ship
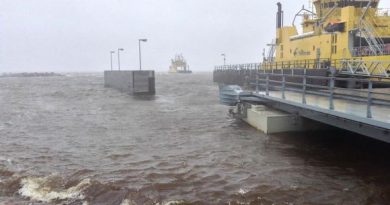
345, 3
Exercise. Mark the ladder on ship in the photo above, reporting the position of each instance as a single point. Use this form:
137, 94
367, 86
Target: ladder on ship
271, 51
368, 32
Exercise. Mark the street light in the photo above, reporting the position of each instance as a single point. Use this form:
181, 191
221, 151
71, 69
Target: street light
119, 57
224, 59
111, 52
139, 47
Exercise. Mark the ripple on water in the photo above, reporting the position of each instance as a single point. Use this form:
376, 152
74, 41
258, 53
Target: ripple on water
111, 148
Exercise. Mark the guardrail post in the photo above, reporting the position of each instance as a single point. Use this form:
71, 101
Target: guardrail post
331, 93
304, 87
369, 100
284, 87
257, 82
267, 85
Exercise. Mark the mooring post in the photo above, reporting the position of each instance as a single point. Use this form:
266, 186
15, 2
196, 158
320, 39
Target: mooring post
331, 93
267, 85
369, 100
304, 87
283, 87
257, 82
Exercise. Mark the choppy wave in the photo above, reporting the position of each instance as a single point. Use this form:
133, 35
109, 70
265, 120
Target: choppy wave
56, 190
171, 203
49, 189
111, 148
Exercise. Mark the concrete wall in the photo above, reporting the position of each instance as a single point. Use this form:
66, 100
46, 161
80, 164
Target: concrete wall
272, 121
121, 80
133, 82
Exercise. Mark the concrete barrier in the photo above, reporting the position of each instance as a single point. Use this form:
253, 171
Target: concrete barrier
272, 121
132, 82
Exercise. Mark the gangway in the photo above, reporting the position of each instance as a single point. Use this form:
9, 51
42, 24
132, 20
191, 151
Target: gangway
363, 111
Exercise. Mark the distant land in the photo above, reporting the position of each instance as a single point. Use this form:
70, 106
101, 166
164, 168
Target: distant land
34, 74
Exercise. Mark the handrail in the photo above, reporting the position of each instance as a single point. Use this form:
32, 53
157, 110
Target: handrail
272, 81
366, 51
352, 67
248, 66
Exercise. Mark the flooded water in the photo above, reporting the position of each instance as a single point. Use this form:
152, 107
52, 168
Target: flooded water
69, 140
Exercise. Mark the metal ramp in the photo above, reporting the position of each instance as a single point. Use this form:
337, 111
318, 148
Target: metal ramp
377, 69
363, 111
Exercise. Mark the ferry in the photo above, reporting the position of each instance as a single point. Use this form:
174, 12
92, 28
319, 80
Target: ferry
350, 37
179, 65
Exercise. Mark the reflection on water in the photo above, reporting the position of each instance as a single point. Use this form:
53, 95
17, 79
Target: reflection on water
145, 97
69, 140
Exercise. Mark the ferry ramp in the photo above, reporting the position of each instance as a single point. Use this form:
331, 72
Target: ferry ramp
365, 111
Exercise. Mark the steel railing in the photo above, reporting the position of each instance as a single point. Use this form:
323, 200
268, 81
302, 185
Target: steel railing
283, 82
310, 63
356, 67
367, 51
247, 66
353, 67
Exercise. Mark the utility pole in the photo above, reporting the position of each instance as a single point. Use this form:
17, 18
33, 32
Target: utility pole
111, 53
139, 47
119, 57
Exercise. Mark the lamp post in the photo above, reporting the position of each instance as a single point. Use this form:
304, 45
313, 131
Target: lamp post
111, 52
224, 59
139, 47
119, 57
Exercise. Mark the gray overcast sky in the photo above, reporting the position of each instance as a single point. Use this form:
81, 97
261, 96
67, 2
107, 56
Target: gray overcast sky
77, 35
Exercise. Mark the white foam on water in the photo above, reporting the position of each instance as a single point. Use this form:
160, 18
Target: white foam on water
8, 160
242, 191
171, 203
127, 202
294, 187
36, 188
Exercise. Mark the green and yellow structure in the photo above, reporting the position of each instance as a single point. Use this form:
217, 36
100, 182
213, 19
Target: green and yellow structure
349, 36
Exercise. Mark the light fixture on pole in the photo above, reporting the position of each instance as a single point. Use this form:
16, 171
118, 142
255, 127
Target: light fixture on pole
111, 52
119, 57
224, 59
139, 47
